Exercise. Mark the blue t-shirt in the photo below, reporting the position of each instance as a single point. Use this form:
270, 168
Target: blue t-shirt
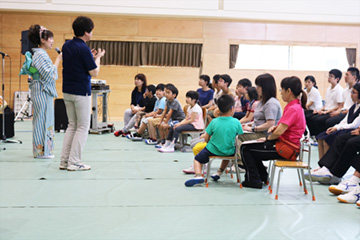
205, 96
160, 104
244, 104
77, 62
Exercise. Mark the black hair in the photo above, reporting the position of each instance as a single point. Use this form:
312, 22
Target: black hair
226, 79
294, 84
160, 86
172, 88
142, 77
337, 73
244, 82
216, 78
81, 25
268, 86
151, 88
225, 103
206, 78
354, 71
34, 34
193, 95
253, 95
357, 88
312, 79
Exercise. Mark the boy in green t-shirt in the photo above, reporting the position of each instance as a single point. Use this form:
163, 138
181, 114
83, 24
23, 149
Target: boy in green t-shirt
222, 131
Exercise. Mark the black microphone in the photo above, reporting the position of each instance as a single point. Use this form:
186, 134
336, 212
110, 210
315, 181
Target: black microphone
4, 54
57, 50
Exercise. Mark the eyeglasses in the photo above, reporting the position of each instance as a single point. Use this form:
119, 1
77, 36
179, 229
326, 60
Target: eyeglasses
353, 92
331, 76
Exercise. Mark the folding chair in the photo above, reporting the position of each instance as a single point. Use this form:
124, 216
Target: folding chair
232, 159
299, 165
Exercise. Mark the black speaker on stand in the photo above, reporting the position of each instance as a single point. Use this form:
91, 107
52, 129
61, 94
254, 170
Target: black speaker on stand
26, 44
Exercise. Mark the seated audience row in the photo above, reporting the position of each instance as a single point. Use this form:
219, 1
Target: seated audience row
260, 117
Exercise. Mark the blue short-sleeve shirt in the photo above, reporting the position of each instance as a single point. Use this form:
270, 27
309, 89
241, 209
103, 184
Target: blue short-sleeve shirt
77, 62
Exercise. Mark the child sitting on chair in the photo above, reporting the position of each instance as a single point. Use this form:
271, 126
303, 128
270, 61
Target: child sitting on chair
172, 114
193, 121
222, 131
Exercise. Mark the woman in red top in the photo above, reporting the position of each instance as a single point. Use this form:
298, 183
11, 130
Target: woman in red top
291, 127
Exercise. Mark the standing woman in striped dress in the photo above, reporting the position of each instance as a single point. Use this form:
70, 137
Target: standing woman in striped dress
43, 91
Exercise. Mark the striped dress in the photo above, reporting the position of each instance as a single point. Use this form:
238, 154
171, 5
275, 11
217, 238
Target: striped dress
43, 91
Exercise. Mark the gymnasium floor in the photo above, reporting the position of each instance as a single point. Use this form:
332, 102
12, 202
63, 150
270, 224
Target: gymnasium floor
134, 192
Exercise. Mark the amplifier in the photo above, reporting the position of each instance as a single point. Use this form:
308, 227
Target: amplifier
99, 87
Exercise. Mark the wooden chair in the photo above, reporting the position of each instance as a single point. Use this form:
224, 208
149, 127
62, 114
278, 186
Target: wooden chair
232, 159
183, 137
299, 165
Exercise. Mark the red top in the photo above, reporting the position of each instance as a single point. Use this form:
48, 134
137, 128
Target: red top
294, 118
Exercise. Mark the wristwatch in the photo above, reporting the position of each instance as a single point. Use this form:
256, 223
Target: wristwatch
253, 128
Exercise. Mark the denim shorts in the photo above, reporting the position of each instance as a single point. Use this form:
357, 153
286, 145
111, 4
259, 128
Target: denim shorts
172, 123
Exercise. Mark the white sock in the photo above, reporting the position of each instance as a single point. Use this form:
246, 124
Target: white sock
354, 179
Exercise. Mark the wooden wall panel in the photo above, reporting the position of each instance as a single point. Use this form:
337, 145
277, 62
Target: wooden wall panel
110, 26
295, 32
234, 30
170, 28
215, 35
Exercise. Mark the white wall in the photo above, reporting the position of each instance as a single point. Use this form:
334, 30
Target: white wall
313, 11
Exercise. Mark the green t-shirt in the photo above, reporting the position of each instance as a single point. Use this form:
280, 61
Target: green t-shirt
223, 131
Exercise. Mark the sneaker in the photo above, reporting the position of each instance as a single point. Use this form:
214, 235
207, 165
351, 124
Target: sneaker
160, 145
351, 197
189, 170
117, 133
358, 203
78, 167
194, 181
129, 136
136, 137
252, 184
124, 134
319, 175
63, 165
216, 176
151, 141
333, 181
241, 170
45, 156
342, 187
169, 149
313, 141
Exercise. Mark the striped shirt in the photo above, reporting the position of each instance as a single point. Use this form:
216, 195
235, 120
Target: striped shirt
48, 71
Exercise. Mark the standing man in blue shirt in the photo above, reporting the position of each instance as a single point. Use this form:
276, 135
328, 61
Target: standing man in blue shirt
79, 65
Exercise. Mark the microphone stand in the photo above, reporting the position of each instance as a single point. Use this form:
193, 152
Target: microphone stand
3, 138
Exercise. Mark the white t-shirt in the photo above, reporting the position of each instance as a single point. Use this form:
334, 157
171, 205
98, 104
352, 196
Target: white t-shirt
315, 97
217, 95
333, 97
348, 102
344, 123
199, 120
